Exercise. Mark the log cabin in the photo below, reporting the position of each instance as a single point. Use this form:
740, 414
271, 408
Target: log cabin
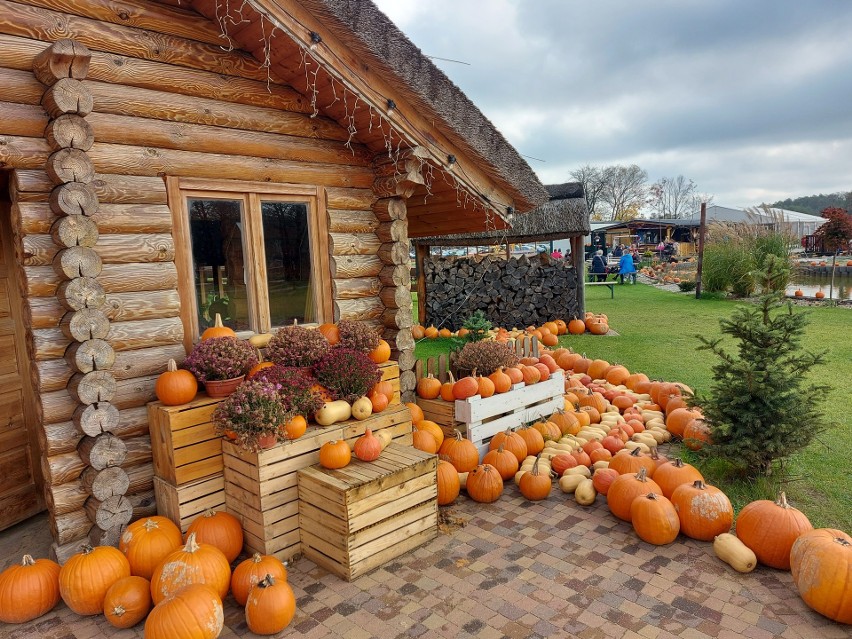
161, 161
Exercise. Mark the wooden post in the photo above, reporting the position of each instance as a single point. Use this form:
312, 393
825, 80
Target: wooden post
421, 252
701, 229
580, 270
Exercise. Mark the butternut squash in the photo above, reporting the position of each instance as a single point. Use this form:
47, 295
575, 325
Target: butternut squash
362, 408
333, 412
384, 436
734, 552
582, 471
568, 483
261, 340
585, 493
463, 480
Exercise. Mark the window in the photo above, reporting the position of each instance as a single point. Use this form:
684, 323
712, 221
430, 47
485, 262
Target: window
256, 254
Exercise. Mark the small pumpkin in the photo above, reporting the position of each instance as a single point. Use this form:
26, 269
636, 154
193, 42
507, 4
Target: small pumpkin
331, 333
270, 607
367, 448
220, 529
193, 564
460, 452
486, 387
696, 434
385, 388
603, 478
432, 428
654, 519
416, 412
378, 401
217, 330
625, 488
294, 428
533, 439
335, 454
448, 483
504, 461
704, 510
484, 484
194, 612
146, 542
425, 441
821, 564
381, 353
428, 387
562, 462
511, 442
734, 552
127, 602
28, 590
86, 577
630, 463
576, 327
770, 528
502, 382
175, 386
674, 473
535, 485
249, 572
465, 388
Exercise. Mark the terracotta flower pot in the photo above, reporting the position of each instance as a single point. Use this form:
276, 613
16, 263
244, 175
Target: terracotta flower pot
222, 387
267, 441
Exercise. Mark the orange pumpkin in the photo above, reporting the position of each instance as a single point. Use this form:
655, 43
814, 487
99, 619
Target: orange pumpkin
271, 606
367, 447
217, 330
335, 454
295, 428
428, 387
194, 612
219, 529
598, 368
531, 375
515, 374
603, 478
630, 463
654, 519
505, 462
533, 439
431, 332
85, 578
576, 327
423, 440
127, 602
28, 590
625, 488
535, 485
194, 563
461, 453
448, 483
416, 412
674, 473
330, 332
432, 428
379, 400
418, 332
696, 434
484, 484
175, 386
704, 511
486, 387
252, 570
770, 528
617, 375
146, 542
465, 388
502, 382
381, 353
821, 563
511, 442
677, 420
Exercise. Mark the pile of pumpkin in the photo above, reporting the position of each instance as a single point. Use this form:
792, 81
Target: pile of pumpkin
548, 333
605, 442
185, 579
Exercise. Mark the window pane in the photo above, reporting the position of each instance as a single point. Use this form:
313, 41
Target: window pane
288, 262
216, 228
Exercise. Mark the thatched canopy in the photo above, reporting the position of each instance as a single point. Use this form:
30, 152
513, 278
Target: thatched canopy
564, 215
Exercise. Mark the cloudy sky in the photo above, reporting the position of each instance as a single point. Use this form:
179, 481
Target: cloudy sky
752, 99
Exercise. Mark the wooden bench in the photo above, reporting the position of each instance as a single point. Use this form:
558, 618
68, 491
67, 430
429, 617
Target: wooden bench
611, 286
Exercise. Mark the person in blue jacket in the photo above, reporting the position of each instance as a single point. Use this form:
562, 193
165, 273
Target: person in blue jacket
626, 267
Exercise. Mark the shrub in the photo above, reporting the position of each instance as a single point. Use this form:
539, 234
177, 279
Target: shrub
478, 326
347, 373
294, 389
297, 346
219, 358
686, 286
357, 336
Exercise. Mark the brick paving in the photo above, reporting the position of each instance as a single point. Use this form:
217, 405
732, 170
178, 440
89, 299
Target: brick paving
517, 570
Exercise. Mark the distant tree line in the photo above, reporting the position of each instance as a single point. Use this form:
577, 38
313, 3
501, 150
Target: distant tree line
815, 204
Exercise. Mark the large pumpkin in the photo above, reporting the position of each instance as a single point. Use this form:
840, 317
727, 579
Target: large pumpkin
821, 563
194, 612
220, 529
625, 488
505, 462
86, 577
146, 542
249, 572
175, 386
672, 474
535, 485
769, 528
511, 442
270, 607
193, 564
127, 602
460, 452
448, 483
428, 387
484, 484
654, 519
28, 590
432, 428
704, 511
630, 463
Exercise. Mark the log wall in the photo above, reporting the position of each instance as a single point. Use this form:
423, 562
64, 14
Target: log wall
159, 97
517, 292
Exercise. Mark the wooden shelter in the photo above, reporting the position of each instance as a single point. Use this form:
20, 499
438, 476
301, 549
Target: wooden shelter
564, 216
162, 160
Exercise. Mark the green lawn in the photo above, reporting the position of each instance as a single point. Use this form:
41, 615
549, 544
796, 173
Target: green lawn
657, 336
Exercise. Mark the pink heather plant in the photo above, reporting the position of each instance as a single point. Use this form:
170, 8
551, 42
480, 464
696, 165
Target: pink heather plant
220, 358
252, 411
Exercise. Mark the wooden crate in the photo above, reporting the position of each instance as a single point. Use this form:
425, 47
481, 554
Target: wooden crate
183, 444
184, 503
357, 518
480, 419
390, 373
261, 489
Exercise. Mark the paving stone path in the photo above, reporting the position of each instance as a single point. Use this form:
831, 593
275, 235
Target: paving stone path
517, 569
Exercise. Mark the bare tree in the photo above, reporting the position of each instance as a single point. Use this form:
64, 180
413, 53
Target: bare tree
625, 189
672, 197
592, 180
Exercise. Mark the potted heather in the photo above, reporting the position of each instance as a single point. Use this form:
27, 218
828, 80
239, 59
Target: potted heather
297, 347
348, 374
252, 415
357, 336
296, 389
220, 363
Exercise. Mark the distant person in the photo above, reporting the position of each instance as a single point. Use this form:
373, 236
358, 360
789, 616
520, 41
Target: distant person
618, 251
637, 259
556, 255
626, 267
599, 266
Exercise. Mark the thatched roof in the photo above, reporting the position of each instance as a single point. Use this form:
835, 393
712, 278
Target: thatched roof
377, 38
565, 215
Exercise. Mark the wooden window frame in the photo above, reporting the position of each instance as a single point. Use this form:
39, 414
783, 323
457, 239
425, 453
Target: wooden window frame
252, 194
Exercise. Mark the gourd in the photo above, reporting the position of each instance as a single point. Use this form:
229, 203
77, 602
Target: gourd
175, 386
585, 493
270, 607
367, 447
195, 612
260, 340
568, 483
335, 454
219, 529
28, 590
362, 408
333, 412
249, 572
385, 437
86, 577
734, 552
127, 602
462, 479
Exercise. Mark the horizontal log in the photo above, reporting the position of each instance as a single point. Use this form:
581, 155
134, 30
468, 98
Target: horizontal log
368, 308
347, 266
45, 312
17, 53
394, 253
355, 288
65, 498
62, 59
50, 343
138, 451
20, 86
120, 248
122, 123
62, 468
353, 243
141, 477
42, 281
22, 119
38, 218
23, 153
397, 318
144, 504
145, 362
110, 513
395, 275
58, 406
109, 537
60, 553
42, 24
394, 231
396, 296
35, 186
67, 96
343, 221
70, 528
349, 199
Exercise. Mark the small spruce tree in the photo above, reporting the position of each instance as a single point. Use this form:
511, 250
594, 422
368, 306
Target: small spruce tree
761, 408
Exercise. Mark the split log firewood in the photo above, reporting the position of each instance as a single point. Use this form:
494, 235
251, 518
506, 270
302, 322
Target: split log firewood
109, 513
93, 387
73, 198
97, 419
69, 131
80, 293
102, 484
102, 451
69, 165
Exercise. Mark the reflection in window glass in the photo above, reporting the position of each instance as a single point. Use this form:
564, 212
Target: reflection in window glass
216, 229
288, 262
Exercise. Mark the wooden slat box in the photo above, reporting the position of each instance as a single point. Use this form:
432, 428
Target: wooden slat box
480, 419
184, 503
183, 444
390, 373
261, 489
357, 518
